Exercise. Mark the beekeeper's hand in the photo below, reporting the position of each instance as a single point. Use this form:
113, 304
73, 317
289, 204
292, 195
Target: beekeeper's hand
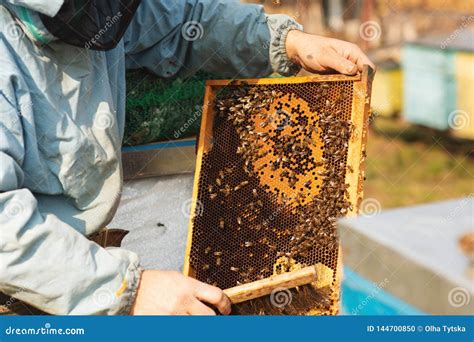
320, 54
171, 293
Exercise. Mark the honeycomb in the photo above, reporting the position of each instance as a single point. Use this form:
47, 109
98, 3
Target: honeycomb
273, 175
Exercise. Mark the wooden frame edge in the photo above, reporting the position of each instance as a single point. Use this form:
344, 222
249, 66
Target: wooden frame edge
360, 118
288, 80
201, 148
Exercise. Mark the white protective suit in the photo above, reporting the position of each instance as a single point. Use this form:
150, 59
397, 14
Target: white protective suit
62, 112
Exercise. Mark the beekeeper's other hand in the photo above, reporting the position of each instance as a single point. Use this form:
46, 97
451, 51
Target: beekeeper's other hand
320, 54
171, 293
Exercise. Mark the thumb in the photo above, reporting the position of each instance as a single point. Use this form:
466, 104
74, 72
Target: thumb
334, 61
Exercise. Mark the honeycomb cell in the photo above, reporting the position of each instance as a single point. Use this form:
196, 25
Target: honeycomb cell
273, 181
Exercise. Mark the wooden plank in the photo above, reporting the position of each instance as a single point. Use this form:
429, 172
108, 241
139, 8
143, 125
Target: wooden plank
289, 80
319, 276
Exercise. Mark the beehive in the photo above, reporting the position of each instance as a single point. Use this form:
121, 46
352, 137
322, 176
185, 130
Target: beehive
387, 94
462, 119
277, 161
429, 92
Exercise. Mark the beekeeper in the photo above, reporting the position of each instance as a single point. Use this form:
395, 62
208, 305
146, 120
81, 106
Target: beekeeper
62, 112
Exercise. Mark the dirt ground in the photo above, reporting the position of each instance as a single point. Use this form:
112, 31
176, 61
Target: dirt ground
409, 165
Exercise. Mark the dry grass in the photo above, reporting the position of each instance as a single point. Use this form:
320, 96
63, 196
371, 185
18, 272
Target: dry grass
409, 165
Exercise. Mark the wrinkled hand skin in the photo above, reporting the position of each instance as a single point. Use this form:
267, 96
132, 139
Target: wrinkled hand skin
171, 293
322, 55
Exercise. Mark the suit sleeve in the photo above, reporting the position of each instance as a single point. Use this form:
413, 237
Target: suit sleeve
43, 261
223, 37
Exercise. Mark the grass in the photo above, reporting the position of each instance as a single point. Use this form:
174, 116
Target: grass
409, 165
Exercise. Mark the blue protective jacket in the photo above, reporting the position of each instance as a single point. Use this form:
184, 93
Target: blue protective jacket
62, 112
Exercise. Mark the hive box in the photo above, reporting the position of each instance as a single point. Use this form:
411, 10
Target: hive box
414, 252
437, 80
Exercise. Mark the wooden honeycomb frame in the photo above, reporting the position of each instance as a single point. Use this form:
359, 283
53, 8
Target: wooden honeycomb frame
358, 115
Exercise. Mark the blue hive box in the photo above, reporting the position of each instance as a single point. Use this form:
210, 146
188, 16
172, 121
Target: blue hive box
429, 86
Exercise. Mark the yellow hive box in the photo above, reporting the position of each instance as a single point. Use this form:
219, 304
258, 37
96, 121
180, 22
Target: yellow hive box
462, 120
387, 91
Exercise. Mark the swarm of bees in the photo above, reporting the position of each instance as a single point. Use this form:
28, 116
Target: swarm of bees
254, 227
